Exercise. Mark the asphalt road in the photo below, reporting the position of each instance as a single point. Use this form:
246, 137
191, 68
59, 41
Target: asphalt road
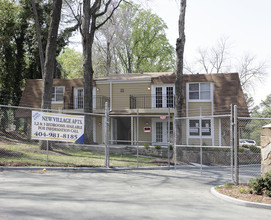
140, 194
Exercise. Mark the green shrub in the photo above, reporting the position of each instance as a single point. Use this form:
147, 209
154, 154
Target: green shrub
267, 181
268, 193
170, 147
261, 183
157, 147
147, 145
257, 185
255, 149
240, 149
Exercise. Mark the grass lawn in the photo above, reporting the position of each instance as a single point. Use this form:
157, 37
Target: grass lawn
19, 154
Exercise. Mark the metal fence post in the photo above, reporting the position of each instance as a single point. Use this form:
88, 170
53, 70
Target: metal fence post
175, 147
231, 143
168, 138
108, 137
137, 136
236, 164
106, 134
200, 125
47, 152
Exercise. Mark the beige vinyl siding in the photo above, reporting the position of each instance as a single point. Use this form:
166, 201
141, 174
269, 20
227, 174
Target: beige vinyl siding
121, 93
196, 141
103, 90
57, 106
194, 109
145, 136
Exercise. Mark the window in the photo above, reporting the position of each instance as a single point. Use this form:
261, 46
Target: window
78, 98
159, 132
170, 99
159, 97
199, 91
197, 127
163, 96
58, 94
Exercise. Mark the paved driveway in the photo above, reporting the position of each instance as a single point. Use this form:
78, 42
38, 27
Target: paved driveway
155, 194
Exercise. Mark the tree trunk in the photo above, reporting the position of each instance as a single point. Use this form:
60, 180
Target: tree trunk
50, 57
87, 41
38, 31
179, 76
91, 11
108, 58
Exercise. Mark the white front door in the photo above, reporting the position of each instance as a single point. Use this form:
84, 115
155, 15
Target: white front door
160, 132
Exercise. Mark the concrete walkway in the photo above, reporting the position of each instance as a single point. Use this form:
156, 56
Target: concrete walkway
144, 194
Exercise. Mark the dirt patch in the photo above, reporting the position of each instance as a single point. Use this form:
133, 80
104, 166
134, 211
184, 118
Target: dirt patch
164, 162
51, 152
243, 192
15, 164
12, 137
9, 153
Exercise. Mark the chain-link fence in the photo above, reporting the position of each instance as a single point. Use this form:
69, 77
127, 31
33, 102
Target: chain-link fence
18, 148
203, 144
144, 138
117, 141
249, 155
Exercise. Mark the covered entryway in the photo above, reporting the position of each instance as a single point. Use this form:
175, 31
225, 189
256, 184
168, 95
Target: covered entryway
122, 130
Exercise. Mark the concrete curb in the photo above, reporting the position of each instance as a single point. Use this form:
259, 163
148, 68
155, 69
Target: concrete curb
238, 201
86, 168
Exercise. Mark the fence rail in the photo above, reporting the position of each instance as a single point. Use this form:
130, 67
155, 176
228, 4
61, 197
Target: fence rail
136, 140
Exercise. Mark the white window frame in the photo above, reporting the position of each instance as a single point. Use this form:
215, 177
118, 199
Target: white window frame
200, 128
164, 94
54, 92
199, 99
75, 97
75, 94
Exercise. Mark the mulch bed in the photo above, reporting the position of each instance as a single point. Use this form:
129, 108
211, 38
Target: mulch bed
242, 192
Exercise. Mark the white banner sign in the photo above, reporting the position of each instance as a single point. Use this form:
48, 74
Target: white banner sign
57, 127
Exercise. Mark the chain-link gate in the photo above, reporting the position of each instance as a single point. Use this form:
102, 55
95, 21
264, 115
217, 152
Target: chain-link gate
139, 140
249, 155
226, 146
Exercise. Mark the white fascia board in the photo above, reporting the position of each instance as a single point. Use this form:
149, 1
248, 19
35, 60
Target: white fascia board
122, 81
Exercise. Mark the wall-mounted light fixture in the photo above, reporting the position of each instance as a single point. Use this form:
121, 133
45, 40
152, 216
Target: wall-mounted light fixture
97, 89
149, 88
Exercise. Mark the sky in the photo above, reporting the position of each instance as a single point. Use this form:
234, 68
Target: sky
246, 23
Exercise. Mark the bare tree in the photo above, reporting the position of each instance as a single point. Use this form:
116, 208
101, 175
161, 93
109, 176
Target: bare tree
104, 45
250, 70
219, 59
90, 22
215, 59
179, 76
